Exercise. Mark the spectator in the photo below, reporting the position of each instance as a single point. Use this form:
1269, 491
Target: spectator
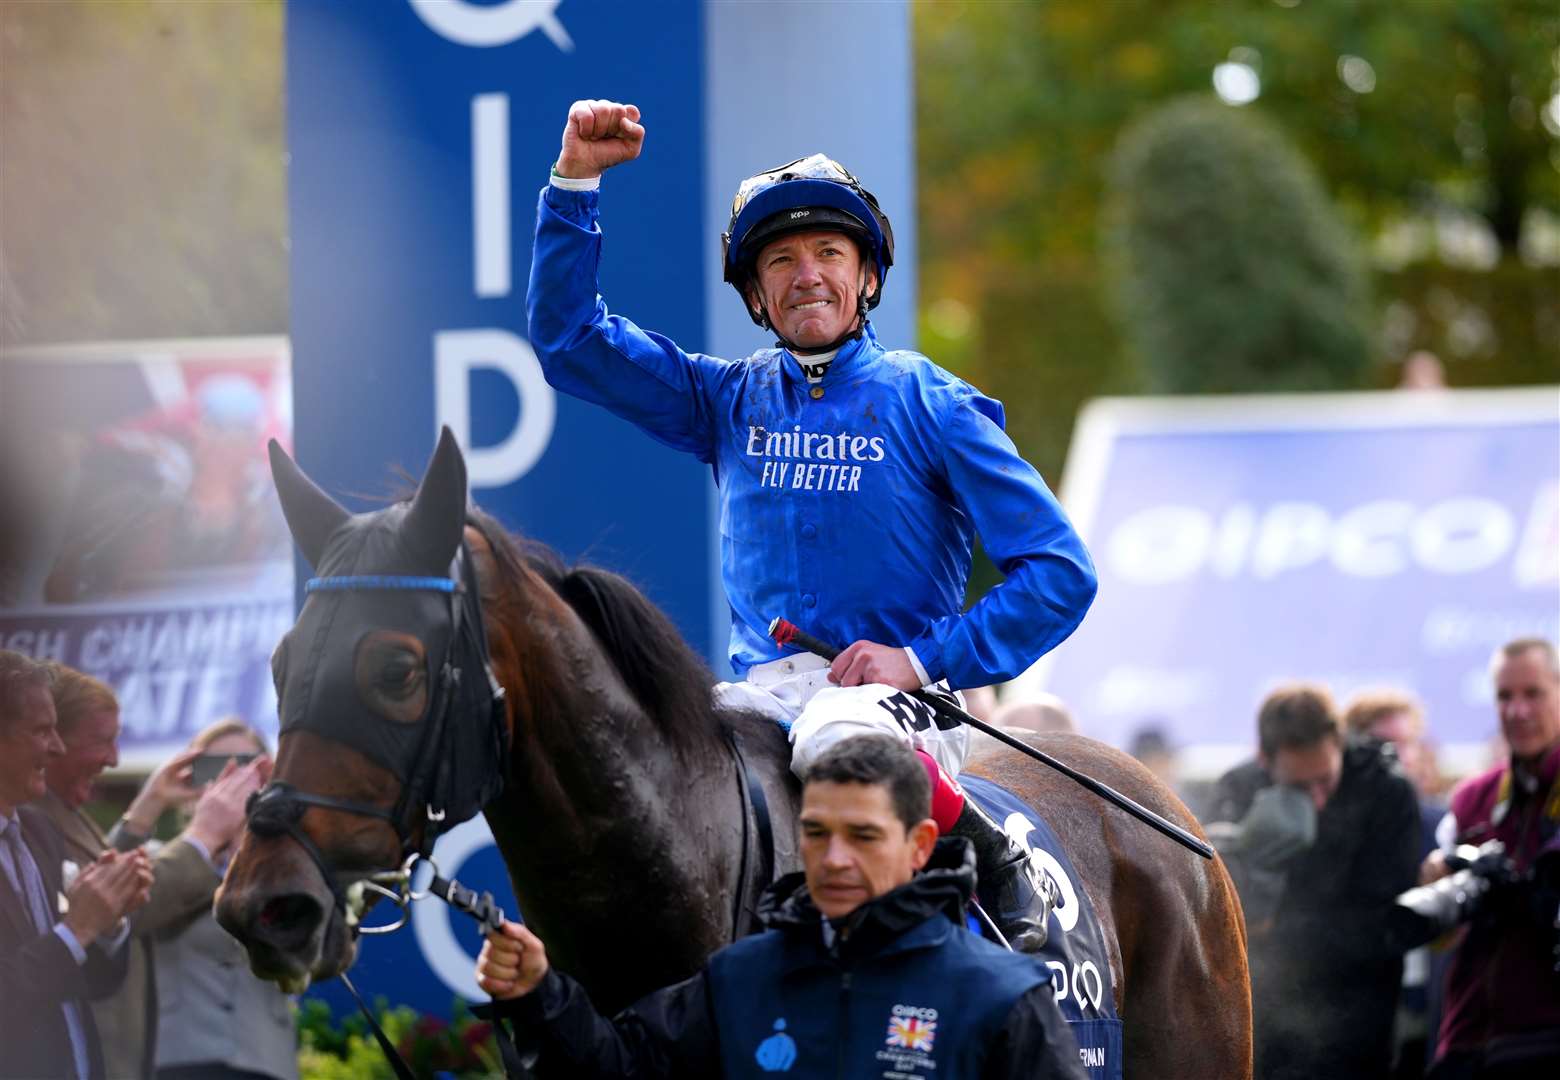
1151, 745
51, 964
1039, 712
1335, 824
184, 875
859, 916
980, 702
1501, 1017
1397, 719
1422, 370
203, 972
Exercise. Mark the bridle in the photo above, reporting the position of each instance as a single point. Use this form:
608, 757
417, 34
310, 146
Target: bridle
426, 794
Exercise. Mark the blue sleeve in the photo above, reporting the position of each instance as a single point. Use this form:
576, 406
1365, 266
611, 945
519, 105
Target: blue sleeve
1049, 577
593, 355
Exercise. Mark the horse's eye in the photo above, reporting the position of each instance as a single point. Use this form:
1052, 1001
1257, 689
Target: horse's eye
397, 674
391, 675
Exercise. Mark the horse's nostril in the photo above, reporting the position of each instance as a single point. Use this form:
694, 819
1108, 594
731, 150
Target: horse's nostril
288, 920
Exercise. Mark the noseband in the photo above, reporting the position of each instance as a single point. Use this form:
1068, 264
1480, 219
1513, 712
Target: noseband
432, 786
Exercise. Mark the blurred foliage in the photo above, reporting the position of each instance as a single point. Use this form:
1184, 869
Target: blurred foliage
1502, 325
142, 188
1232, 271
1019, 107
461, 1048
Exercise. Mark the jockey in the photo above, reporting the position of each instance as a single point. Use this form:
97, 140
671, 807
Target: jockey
852, 478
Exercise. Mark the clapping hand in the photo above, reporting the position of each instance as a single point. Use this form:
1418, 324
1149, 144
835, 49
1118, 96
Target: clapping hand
117, 884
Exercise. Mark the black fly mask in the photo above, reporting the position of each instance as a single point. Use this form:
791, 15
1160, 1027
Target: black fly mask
389, 656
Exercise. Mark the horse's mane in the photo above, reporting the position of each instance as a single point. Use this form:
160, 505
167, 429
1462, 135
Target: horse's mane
668, 678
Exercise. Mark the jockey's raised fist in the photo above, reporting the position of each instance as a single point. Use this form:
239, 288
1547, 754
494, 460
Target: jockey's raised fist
597, 136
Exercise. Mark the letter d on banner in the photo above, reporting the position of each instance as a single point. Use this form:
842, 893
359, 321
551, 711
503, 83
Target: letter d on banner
456, 354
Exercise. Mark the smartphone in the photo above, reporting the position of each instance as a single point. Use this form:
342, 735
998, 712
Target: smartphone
207, 767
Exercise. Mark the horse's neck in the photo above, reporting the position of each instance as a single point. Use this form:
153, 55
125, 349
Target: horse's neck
581, 726
619, 840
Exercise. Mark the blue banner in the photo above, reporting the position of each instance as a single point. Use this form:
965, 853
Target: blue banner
1364, 540
419, 135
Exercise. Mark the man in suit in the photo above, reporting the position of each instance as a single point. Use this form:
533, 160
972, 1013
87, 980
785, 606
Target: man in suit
53, 955
184, 873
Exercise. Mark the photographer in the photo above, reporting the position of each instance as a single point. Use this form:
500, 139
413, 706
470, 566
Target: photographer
1320, 835
1502, 1007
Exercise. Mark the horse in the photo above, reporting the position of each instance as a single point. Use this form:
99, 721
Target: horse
622, 815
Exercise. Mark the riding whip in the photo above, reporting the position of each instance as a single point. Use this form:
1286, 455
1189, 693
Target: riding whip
787, 633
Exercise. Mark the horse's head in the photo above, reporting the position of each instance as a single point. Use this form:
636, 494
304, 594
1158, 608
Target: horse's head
392, 728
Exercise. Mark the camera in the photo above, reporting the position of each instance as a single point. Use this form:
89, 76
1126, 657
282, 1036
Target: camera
207, 767
1424, 913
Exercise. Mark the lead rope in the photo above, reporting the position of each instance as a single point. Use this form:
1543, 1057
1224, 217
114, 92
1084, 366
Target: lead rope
481, 907
393, 1056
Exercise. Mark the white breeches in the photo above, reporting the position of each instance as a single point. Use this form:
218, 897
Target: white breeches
796, 692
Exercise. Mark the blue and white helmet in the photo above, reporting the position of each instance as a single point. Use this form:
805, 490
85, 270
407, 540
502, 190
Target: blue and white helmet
814, 192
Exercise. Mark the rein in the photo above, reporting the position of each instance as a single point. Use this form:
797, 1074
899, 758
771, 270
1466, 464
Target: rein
751, 790
788, 633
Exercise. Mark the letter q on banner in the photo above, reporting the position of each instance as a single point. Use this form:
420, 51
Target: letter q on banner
486, 25
456, 354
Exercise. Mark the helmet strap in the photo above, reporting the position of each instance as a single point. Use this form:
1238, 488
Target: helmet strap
798, 350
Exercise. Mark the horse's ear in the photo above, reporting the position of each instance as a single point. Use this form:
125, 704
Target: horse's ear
311, 514
437, 517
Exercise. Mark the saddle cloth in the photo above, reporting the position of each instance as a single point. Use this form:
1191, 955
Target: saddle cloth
1075, 947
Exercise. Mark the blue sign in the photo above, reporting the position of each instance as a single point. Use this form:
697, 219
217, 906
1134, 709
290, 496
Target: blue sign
420, 133
1363, 540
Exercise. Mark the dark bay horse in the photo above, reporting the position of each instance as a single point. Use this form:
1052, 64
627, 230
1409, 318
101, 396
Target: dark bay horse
623, 821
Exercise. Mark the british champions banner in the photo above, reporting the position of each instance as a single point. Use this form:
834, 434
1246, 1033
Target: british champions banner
145, 545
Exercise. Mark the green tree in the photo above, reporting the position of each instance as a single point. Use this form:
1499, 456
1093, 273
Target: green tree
1233, 272
1019, 105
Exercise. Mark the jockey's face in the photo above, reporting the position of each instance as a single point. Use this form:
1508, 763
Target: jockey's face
855, 847
808, 283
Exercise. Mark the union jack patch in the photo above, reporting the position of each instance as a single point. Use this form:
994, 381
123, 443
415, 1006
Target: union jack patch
911, 1033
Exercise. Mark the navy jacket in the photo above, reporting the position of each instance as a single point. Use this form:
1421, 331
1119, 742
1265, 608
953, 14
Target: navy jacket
904, 991
38, 973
